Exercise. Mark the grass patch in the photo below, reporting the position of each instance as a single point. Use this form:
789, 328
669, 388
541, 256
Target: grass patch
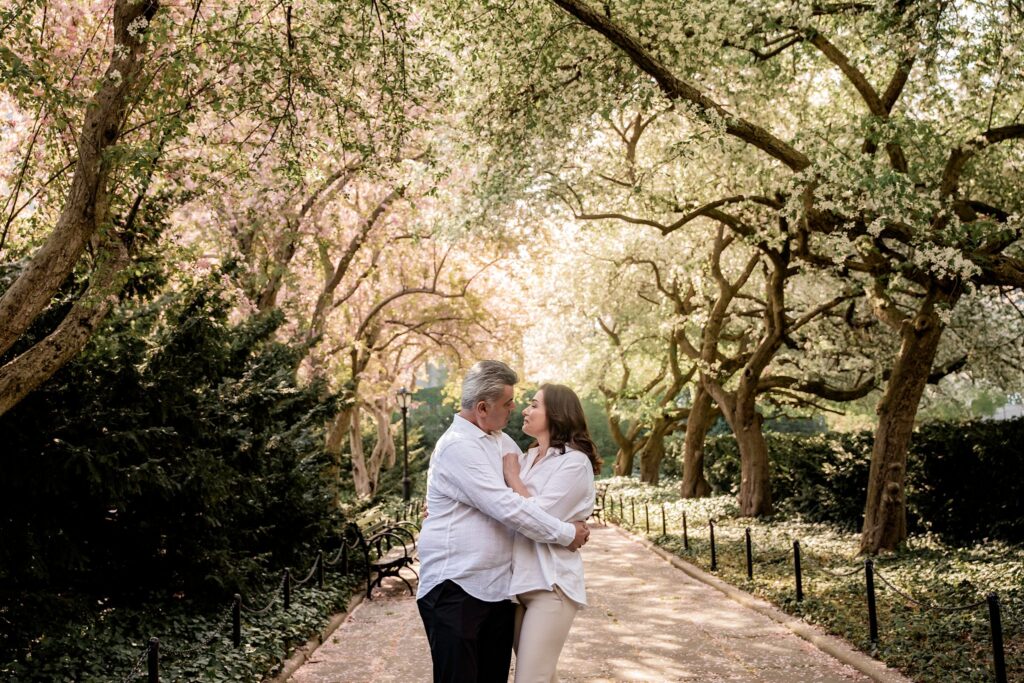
927, 645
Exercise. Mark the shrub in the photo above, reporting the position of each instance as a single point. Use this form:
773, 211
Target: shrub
965, 481
177, 455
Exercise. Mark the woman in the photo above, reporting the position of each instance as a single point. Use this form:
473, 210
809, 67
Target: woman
547, 580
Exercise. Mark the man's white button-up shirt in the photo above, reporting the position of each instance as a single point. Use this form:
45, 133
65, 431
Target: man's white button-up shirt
468, 534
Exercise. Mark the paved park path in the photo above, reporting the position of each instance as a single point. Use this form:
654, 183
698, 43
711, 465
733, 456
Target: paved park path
647, 621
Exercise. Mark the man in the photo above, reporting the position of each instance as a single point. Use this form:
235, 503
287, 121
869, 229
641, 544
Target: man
465, 545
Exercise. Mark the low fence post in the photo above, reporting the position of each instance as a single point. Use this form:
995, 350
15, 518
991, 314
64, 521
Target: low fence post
686, 535
320, 569
632, 512
996, 621
714, 557
797, 571
647, 518
664, 529
869, 577
153, 660
750, 556
236, 621
287, 589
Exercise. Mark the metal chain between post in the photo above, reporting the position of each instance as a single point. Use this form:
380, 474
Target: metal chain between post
137, 667
310, 575
924, 605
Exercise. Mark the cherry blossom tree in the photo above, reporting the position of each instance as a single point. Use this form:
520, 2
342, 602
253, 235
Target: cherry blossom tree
872, 179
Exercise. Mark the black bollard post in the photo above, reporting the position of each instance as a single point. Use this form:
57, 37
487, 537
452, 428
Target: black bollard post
869, 575
686, 534
750, 557
153, 659
664, 529
996, 621
287, 589
320, 570
714, 557
797, 571
236, 621
647, 518
632, 512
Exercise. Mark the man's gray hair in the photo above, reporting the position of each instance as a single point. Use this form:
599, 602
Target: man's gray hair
486, 381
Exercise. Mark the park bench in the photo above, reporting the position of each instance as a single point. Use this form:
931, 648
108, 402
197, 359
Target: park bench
599, 494
386, 547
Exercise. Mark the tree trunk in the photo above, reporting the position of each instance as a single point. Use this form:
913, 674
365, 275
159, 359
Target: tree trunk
755, 485
384, 453
88, 199
697, 425
360, 472
739, 407
653, 451
624, 461
337, 429
626, 441
885, 515
28, 370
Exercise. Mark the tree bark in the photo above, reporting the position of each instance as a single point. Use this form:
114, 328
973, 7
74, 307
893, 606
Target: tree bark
28, 370
384, 452
694, 483
624, 461
337, 430
755, 484
360, 472
653, 451
885, 515
626, 441
87, 202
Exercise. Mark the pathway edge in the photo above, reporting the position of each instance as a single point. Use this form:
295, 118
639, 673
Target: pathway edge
303, 652
831, 645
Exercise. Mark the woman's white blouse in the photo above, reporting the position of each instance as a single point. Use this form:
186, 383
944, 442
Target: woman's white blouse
562, 484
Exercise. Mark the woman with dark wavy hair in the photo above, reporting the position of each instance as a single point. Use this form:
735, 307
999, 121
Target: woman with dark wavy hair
547, 580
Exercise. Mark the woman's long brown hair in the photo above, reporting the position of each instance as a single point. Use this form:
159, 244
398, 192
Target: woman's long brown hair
567, 424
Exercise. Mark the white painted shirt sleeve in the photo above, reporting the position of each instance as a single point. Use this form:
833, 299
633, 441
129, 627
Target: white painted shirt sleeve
479, 485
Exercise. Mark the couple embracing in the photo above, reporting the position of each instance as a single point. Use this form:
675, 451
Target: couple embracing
498, 560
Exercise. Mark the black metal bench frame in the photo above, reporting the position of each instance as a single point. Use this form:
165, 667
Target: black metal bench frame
598, 513
378, 545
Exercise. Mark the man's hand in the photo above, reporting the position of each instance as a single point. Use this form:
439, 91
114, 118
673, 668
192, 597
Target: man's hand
510, 468
582, 535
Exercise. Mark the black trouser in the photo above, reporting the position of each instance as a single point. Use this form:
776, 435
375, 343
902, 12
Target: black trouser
470, 640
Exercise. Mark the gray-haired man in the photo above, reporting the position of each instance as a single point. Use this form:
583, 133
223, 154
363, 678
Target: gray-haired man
465, 545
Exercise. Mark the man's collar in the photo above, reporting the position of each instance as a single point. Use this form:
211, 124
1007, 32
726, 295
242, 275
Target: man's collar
463, 425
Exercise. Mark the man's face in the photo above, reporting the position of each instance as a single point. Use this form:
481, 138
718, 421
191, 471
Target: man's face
495, 414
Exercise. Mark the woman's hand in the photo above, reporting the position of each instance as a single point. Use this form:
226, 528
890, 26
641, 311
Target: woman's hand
510, 467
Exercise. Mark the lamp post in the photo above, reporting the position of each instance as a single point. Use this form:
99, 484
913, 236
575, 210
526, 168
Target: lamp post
403, 400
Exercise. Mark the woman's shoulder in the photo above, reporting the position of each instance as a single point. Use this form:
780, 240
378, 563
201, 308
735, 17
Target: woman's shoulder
575, 457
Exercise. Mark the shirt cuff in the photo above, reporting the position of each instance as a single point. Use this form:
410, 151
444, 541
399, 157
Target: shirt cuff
567, 535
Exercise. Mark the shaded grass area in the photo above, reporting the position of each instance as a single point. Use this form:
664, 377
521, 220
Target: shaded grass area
926, 644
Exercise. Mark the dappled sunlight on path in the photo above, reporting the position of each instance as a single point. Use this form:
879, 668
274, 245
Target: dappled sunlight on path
647, 621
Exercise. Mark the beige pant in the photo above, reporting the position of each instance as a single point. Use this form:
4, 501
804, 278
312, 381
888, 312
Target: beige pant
543, 619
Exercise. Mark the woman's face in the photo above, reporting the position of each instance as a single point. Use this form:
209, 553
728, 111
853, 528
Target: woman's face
535, 420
